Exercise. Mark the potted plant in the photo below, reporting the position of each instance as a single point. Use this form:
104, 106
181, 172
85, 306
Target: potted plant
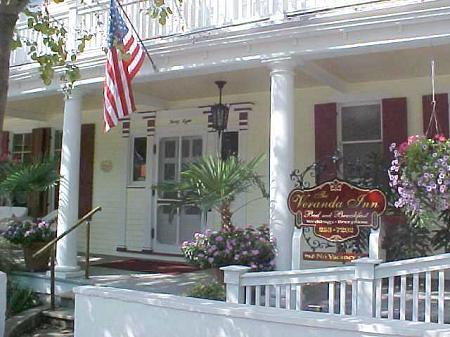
420, 174
247, 246
32, 236
213, 183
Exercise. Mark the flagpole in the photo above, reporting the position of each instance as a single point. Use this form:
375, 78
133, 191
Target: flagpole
137, 35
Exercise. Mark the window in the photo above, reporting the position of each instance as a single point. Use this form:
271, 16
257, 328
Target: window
230, 144
21, 147
361, 136
58, 143
139, 159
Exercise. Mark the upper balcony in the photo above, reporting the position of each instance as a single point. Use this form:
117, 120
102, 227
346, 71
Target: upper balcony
193, 17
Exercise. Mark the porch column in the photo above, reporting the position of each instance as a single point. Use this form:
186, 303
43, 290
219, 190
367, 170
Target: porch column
281, 157
66, 254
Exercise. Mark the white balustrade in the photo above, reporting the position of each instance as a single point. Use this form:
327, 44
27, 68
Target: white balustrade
413, 289
192, 16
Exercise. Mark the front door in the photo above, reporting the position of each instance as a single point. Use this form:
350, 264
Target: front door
174, 226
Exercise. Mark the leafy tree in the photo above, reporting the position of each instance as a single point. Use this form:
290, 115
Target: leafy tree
54, 35
214, 183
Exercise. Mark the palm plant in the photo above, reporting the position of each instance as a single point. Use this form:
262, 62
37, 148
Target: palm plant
17, 179
214, 183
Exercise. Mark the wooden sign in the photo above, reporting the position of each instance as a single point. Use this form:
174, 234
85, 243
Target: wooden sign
336, 209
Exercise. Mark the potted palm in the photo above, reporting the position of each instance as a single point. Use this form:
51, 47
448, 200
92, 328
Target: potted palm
212, 183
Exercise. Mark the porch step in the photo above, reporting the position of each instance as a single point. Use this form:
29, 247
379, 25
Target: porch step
59, 318
46, 330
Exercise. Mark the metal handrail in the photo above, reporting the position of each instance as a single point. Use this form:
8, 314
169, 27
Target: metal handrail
52, 245
78, 224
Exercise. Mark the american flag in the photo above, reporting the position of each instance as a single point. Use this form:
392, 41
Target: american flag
124, 58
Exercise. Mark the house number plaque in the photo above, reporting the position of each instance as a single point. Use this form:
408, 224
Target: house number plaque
336, 209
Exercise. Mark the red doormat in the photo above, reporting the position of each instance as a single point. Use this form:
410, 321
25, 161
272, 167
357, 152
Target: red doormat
150, 266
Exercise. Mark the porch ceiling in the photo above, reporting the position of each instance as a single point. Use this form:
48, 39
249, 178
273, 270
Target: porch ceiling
400, 64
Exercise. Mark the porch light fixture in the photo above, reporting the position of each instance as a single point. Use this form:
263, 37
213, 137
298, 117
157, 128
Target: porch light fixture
220, 111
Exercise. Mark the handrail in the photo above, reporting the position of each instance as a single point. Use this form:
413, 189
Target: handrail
78, 224
52, 245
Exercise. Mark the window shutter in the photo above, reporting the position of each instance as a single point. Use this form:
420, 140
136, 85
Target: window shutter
4, 143
325, 125
395, 122
86, 168
37, 202
441, 111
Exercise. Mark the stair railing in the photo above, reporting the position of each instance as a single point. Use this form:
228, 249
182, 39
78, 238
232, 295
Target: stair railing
52, 246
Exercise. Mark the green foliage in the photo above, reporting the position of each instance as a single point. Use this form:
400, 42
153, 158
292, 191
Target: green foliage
17, 179
56, 54
19, 299
159, 10
441, 235
210, 291
214, 183
6, 259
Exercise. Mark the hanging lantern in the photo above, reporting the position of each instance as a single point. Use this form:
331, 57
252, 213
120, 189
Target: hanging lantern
220, 111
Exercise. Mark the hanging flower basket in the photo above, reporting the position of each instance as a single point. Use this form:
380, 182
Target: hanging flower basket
420, 174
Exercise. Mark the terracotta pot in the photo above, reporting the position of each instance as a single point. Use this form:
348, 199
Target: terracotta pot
39, 263
218, 275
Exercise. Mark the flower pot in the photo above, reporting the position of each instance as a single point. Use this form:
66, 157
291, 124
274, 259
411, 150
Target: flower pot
38, 263
218, 275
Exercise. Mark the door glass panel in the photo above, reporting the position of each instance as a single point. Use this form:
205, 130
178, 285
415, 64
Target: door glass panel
167, 226
185, 148
169, 172
190, 220
170, 148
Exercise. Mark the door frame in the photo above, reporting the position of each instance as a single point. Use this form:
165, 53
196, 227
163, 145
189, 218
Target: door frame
173, 131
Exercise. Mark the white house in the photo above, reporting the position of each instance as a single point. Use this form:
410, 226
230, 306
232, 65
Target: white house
304, 78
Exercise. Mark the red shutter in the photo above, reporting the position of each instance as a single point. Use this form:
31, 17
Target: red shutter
86, 168
441, 111
325, 124
4, 144
40, 148
395, 121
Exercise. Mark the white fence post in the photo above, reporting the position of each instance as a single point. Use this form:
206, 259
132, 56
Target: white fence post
2, 302
365, 280
232, 279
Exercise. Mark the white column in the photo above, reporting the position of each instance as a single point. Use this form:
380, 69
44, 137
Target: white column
66, 254
365, 278
281, 158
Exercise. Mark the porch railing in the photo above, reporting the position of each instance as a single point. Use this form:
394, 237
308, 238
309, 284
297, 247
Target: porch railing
193, 16
413, 290
52, 246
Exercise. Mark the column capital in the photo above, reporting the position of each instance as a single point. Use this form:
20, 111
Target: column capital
281, 64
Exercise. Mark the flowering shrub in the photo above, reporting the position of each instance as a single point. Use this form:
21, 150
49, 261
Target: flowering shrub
248, 246
27, 232
420, 174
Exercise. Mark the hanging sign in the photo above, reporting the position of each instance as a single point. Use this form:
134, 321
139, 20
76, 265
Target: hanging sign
336, 209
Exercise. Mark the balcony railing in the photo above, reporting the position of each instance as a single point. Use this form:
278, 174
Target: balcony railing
192, 17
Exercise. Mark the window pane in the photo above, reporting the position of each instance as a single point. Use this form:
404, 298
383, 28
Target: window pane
185, 148
169, 172
361, 123
357, 158
17, 142
230, 144
139, 158
58, 140
169, 149
190, 221
197, 147
27, 142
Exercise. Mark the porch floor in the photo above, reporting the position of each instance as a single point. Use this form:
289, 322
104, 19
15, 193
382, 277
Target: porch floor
177, 284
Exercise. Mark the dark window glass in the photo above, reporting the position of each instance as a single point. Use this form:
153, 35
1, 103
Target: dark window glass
139, 158
361, 123
230, 144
